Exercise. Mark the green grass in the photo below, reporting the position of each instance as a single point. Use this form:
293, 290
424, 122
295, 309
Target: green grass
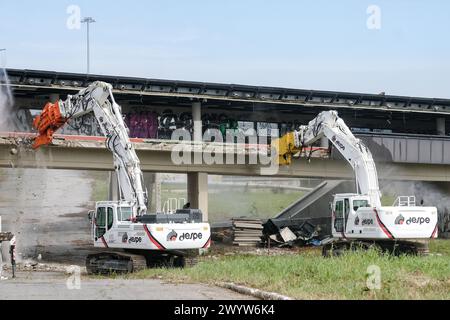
308, 275
440, 247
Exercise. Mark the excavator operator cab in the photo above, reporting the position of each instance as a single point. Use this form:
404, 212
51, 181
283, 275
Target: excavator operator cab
103, 220
344, 208
107, 216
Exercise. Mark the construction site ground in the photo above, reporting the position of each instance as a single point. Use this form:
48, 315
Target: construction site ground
302, 273
50, 222
40, 285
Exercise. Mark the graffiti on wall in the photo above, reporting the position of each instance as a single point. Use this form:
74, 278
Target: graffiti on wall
152, 125
83, 126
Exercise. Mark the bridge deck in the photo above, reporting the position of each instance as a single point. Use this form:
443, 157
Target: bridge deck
90, 153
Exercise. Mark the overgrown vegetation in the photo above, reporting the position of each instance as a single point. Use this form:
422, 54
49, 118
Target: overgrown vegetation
308, 275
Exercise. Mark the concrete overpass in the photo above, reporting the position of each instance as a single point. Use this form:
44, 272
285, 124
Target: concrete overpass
90, 153
284, 107
399, 156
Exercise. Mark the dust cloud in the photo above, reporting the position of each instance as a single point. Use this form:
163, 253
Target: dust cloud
433, 194
6, 102
46, 209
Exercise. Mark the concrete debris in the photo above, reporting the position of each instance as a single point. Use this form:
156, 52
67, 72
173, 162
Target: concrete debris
285, 233
247, 232
242, 232
5, 236
260, 294
32, 266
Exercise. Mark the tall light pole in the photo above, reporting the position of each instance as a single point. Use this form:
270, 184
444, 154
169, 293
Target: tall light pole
3, 63
88, 21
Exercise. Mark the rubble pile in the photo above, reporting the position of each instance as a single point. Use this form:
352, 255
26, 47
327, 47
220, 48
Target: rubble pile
242, 232
247, 232
288, 233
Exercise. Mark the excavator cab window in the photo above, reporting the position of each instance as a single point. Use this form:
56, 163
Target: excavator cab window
360, 204
110, 218
125, 213
100, 222
346, 209
339, 213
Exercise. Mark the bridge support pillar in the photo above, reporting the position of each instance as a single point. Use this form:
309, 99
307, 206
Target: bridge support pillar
157, 190
198, 192
440, 126
153, 185
113, 189
197, 120
325, 143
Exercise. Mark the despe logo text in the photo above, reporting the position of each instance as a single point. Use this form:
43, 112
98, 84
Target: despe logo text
412, 220
367, 222
191, 236
173, 236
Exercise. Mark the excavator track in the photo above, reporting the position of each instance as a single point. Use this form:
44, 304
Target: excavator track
172, 259
114, 262
125, 262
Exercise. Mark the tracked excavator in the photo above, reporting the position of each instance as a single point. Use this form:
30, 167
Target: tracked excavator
131, 239
359, 220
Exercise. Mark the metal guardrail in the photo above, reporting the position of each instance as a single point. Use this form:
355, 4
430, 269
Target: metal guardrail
405, 201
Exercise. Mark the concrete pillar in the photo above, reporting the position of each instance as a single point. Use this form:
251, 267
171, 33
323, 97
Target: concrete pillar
153, 184
158, 204
198, 192
113, 188
324, 143
197, 119
440, 126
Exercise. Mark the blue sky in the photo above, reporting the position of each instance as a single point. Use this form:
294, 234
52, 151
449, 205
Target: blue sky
323, 45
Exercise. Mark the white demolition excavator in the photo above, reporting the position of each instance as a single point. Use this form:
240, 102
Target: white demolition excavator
131, 238
359, 219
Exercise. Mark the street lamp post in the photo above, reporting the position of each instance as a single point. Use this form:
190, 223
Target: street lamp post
3, 59
88, 21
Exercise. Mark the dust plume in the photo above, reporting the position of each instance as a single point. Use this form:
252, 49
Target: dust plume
433, 194
6, 102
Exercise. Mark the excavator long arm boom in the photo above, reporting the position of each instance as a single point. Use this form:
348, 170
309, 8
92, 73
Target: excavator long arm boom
328, 124
99, 100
